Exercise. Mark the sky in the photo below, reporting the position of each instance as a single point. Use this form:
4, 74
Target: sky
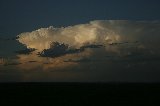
26, 15
97, 51
80, 40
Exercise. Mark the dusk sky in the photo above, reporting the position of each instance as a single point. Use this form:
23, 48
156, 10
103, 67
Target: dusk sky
80, 40
26, 15
80, 52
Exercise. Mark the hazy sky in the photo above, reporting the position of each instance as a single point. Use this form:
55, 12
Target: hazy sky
26, 15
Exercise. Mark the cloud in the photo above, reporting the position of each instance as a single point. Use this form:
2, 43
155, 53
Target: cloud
32, 61
26, 51
101, 50
91, 41
75, 36
56, 49
94, 32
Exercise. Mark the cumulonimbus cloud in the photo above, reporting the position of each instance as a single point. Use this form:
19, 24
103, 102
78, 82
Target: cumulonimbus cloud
118, 39
95, 32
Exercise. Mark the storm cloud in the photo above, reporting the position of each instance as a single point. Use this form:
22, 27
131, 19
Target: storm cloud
95, 32
101, 50
98, 41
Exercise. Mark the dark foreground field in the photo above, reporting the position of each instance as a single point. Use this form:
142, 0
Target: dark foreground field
79, 94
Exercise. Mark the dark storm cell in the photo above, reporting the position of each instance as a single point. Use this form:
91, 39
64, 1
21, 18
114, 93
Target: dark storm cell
56, 49
26, 51
78, 60
91, 46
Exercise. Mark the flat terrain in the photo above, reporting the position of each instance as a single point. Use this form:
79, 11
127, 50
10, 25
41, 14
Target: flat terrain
79, 94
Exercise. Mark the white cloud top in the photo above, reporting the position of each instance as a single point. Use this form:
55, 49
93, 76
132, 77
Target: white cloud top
95, 32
